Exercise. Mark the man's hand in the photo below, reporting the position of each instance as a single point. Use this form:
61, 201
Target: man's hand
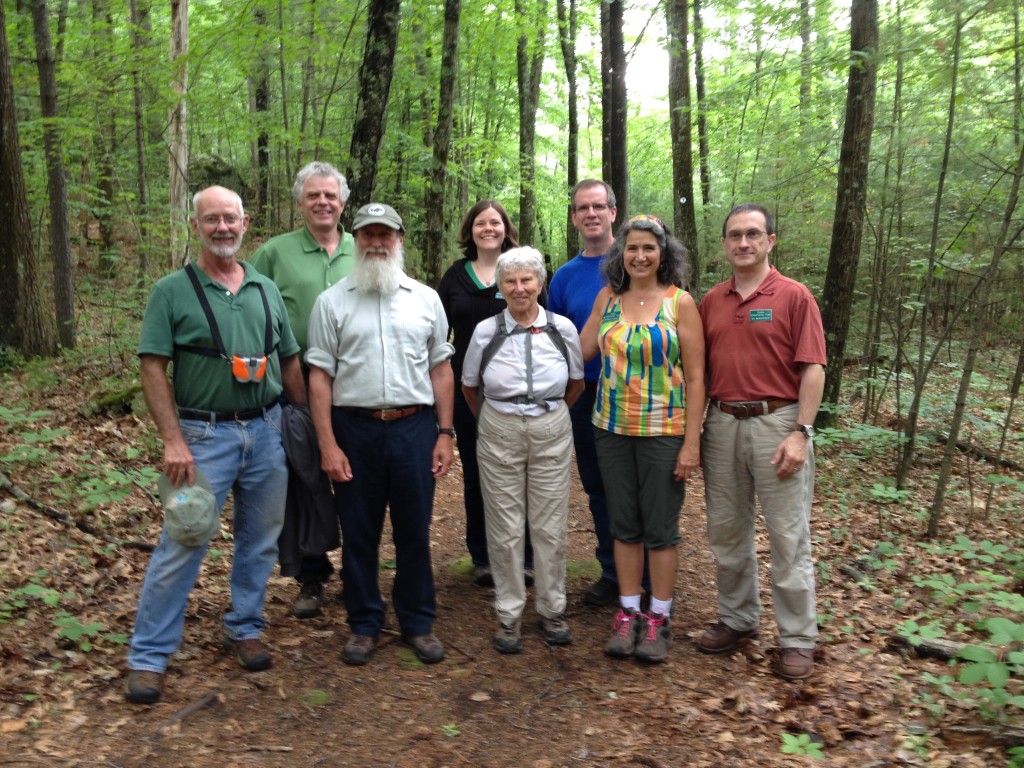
334, 463
687, 462
790, 456
442, 456
179, 465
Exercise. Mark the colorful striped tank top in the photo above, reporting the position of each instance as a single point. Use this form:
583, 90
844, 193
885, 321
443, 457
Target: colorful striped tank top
640, 391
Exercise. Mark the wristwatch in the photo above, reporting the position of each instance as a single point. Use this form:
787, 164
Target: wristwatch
806, 429
450, 431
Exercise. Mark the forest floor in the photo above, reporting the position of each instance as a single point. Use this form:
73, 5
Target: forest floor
67, 601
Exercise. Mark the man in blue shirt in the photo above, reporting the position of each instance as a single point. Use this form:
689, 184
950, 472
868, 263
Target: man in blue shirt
572, 293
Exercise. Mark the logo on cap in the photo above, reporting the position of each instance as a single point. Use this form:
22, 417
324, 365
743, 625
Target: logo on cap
375, 210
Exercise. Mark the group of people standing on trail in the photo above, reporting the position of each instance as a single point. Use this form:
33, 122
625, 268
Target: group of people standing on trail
324, 386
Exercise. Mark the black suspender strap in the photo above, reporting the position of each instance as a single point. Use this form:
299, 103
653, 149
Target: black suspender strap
268, 343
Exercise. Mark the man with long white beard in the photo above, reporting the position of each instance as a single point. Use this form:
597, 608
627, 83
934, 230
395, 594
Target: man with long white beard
226, 330
381, 395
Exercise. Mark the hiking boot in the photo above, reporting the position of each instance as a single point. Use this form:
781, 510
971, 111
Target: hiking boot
508, 639
796, 663
358, 650
624, 639
142, 687
721, 638
655, 638
556, 630
604, 591
482, 576
528, 577
307, 604
251, 654
427, 648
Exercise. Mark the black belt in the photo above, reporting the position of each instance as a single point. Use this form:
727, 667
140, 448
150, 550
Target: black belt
753, 408
212, 416
386, 414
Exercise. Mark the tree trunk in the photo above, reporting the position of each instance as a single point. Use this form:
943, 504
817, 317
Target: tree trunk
1004, 242
616, 160
807, 64
177, 135
529, 64
105, 138
567, 29
437, 182
24, 322
703, 146
372, 105
261, 106
138, 46
60, 237
685, 220
851, 194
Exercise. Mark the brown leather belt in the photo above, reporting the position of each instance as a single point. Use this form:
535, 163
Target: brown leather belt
754, 408
386, 414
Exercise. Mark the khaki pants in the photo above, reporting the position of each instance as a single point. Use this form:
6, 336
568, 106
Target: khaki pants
524, 476
737, 457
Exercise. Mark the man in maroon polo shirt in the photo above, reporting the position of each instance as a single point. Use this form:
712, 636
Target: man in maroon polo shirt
765, 378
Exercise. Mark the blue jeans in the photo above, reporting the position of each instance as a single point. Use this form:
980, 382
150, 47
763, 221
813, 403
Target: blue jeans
244, 457
590, 476
476, 529
391, 470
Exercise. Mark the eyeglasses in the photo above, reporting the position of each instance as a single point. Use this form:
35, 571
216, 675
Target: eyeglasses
595, 207
736, 235
213, 221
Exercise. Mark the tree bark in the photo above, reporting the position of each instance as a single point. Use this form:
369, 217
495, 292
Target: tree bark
567, 28
138, 46
24, 323
372, 105
60, 237
616, 150
529, 64
177, 132
703, 146
437, 183
685, 220
851, 195
261, 104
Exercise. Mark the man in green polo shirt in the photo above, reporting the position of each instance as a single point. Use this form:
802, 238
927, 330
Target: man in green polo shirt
224, 329
303, 264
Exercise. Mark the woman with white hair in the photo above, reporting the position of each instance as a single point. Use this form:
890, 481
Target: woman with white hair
522, 371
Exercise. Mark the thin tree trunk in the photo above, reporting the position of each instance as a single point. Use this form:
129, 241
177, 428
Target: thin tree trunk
617, 160
261, 105
685, 220
372, 106
140, 139
105, 138
24, 323
530, 63
567, 29
1004, 242
806, 65
178, 135
1018, 375
703, 146
851, 193
437, 182
60, 238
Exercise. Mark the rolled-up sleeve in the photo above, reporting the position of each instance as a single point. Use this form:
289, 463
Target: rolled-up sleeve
322, 336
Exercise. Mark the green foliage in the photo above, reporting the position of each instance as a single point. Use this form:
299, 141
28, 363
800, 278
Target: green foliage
451, 730
801, 744
73, 631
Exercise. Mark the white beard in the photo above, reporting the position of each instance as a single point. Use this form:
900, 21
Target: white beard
222, 250
376, 275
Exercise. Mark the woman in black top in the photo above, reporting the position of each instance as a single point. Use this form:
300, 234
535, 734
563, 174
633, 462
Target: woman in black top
469, 295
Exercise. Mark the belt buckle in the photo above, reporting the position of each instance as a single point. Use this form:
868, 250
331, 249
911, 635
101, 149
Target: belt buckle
742, 411
386, 414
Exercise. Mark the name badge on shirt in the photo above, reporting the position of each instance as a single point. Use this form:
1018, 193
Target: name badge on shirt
760, 315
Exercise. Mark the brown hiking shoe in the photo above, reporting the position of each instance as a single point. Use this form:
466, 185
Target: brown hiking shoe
796, 663
721, 638
307, 604
626, 626
251, 654
427, 648
142, 687
654, 638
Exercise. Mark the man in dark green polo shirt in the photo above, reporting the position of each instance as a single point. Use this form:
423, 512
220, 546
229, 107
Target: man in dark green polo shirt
224, 328
303, 264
